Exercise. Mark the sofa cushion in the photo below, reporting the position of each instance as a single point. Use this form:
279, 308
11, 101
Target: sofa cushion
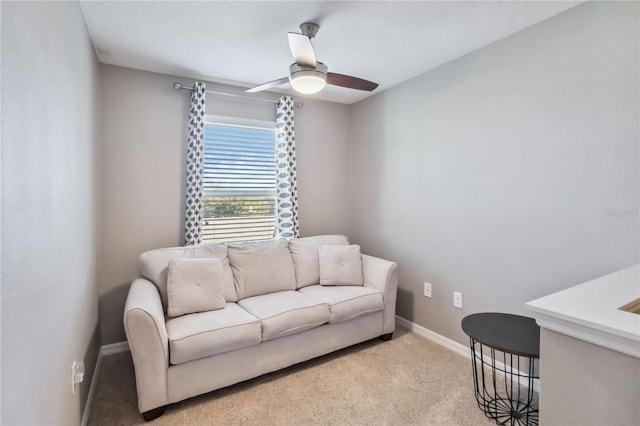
304, 252
347, 302
154, 266
194, 285
261, 267
209, 333
286, 312
341, 265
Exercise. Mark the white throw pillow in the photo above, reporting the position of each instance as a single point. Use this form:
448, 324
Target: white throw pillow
341, 265
194, 285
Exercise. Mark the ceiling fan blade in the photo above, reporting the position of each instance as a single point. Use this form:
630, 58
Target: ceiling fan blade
350, 82
302, 50
268, 85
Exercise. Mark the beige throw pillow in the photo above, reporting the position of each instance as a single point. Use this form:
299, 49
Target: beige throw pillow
304, 252
194, 285
154, 266
340, 265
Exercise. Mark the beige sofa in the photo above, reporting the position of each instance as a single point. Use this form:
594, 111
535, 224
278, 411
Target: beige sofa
275, 314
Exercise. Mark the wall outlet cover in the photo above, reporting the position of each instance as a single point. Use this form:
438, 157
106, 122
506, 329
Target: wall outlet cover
457, 299
427, 289
77, 374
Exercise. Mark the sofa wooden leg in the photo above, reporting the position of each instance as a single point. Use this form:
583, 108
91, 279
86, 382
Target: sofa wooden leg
153, 414
386, 337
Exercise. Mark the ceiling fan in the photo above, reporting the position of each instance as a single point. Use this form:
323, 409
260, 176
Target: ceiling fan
306, 74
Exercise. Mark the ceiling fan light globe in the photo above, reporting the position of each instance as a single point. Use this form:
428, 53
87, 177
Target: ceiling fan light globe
308, 82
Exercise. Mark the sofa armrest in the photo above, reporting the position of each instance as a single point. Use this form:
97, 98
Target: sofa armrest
144, 324
383, 275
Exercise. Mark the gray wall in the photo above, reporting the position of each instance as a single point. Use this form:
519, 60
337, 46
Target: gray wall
584, 384
507, 174
50, 132
142, 163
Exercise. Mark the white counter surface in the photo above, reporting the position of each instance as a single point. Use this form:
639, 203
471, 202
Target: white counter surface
590, 311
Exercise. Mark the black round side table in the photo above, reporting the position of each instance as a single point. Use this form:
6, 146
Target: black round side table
504, 348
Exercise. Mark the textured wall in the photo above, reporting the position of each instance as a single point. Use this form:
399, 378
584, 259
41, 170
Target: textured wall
50, 133
322, 149
507, 174
142, 161
143, 122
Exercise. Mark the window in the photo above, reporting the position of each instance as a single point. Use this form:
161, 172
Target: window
239, 181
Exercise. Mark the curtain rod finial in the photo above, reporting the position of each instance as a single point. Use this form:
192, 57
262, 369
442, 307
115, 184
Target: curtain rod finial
177, 86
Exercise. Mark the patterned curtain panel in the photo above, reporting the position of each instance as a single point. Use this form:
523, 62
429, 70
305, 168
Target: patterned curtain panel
195, 163
286, 181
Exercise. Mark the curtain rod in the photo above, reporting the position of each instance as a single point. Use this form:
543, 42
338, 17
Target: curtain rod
179, 86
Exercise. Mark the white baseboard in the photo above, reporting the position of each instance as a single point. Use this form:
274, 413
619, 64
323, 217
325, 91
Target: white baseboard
454, 346
114, 348
110, 349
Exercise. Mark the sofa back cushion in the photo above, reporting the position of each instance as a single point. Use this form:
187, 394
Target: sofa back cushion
304, 252
261, 267
154, 265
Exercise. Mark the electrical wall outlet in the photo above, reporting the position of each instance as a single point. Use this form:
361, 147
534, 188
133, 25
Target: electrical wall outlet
457, 299
427, 289
77, 374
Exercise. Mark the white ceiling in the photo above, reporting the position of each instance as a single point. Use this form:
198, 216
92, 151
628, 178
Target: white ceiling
245, 42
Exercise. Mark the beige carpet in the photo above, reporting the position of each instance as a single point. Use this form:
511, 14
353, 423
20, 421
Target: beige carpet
406, 381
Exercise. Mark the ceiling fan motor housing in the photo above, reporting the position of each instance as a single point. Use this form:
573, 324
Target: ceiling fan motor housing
319, 69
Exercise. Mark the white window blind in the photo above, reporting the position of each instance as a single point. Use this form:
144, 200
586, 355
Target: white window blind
239, 183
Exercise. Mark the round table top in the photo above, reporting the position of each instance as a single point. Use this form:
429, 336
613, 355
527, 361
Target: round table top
508, 333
